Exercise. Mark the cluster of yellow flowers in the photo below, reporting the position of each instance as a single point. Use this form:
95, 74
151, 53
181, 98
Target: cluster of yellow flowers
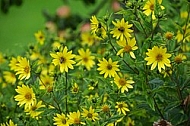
94, 80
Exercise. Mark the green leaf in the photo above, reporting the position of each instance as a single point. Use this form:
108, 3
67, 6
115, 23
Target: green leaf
137, 25
150, 102
156, 81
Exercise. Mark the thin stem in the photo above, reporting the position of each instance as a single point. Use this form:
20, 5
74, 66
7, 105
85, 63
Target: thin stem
138, 19
156, 105
54, 99
186, 23
66, 84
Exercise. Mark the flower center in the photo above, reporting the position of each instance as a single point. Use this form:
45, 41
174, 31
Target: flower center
120, 106
41, 37
121, 29
75, 89
109, 66
89, 115
27, 69
122, 82
47, 83
163, 123
99, 25
85, 59
62, 60
105, 108
76, 121
28, 96
127, 48
34, 108
159, 57
151, 7
178, 59
64, 121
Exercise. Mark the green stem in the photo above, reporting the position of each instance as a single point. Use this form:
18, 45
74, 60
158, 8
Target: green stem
66, 84
156, 105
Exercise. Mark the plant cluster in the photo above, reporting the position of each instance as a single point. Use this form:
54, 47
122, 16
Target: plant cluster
129, 67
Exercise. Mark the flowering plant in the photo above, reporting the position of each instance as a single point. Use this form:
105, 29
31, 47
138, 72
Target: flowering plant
128, 67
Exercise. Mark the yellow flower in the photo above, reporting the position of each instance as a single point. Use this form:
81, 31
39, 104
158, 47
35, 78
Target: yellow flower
128, 47
74, 118
2, 59
75, 88
9, 77
10, 123
184, 14
26, 96
13, 63
130, 122
108, 68
85, 58
158, 56
34, 111
87, 38
46, 82
40, 37
61, 120
91, 115
122, 107
179, 58
23, 68
105, 108
168, 35
121, 30
183, 36
122, 83
149, 7
98, 28
63, 60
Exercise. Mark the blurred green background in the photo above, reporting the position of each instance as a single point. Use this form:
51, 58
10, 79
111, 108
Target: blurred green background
18, 26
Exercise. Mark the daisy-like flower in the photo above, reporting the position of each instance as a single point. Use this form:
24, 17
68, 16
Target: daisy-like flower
179, 58
122, 107
75, 88
130, 122
85, 58
183, 36
10, 123
23, 68
61, 120
87, 38
33, 111
158, 57
46, 82
63, 60
9, 77
122, 83
97, 27
128, 47
122, 29
168, 35
74, 118
105, 108
149, 7
90, 114
108, 68
40, 37
26, 96
13, 63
